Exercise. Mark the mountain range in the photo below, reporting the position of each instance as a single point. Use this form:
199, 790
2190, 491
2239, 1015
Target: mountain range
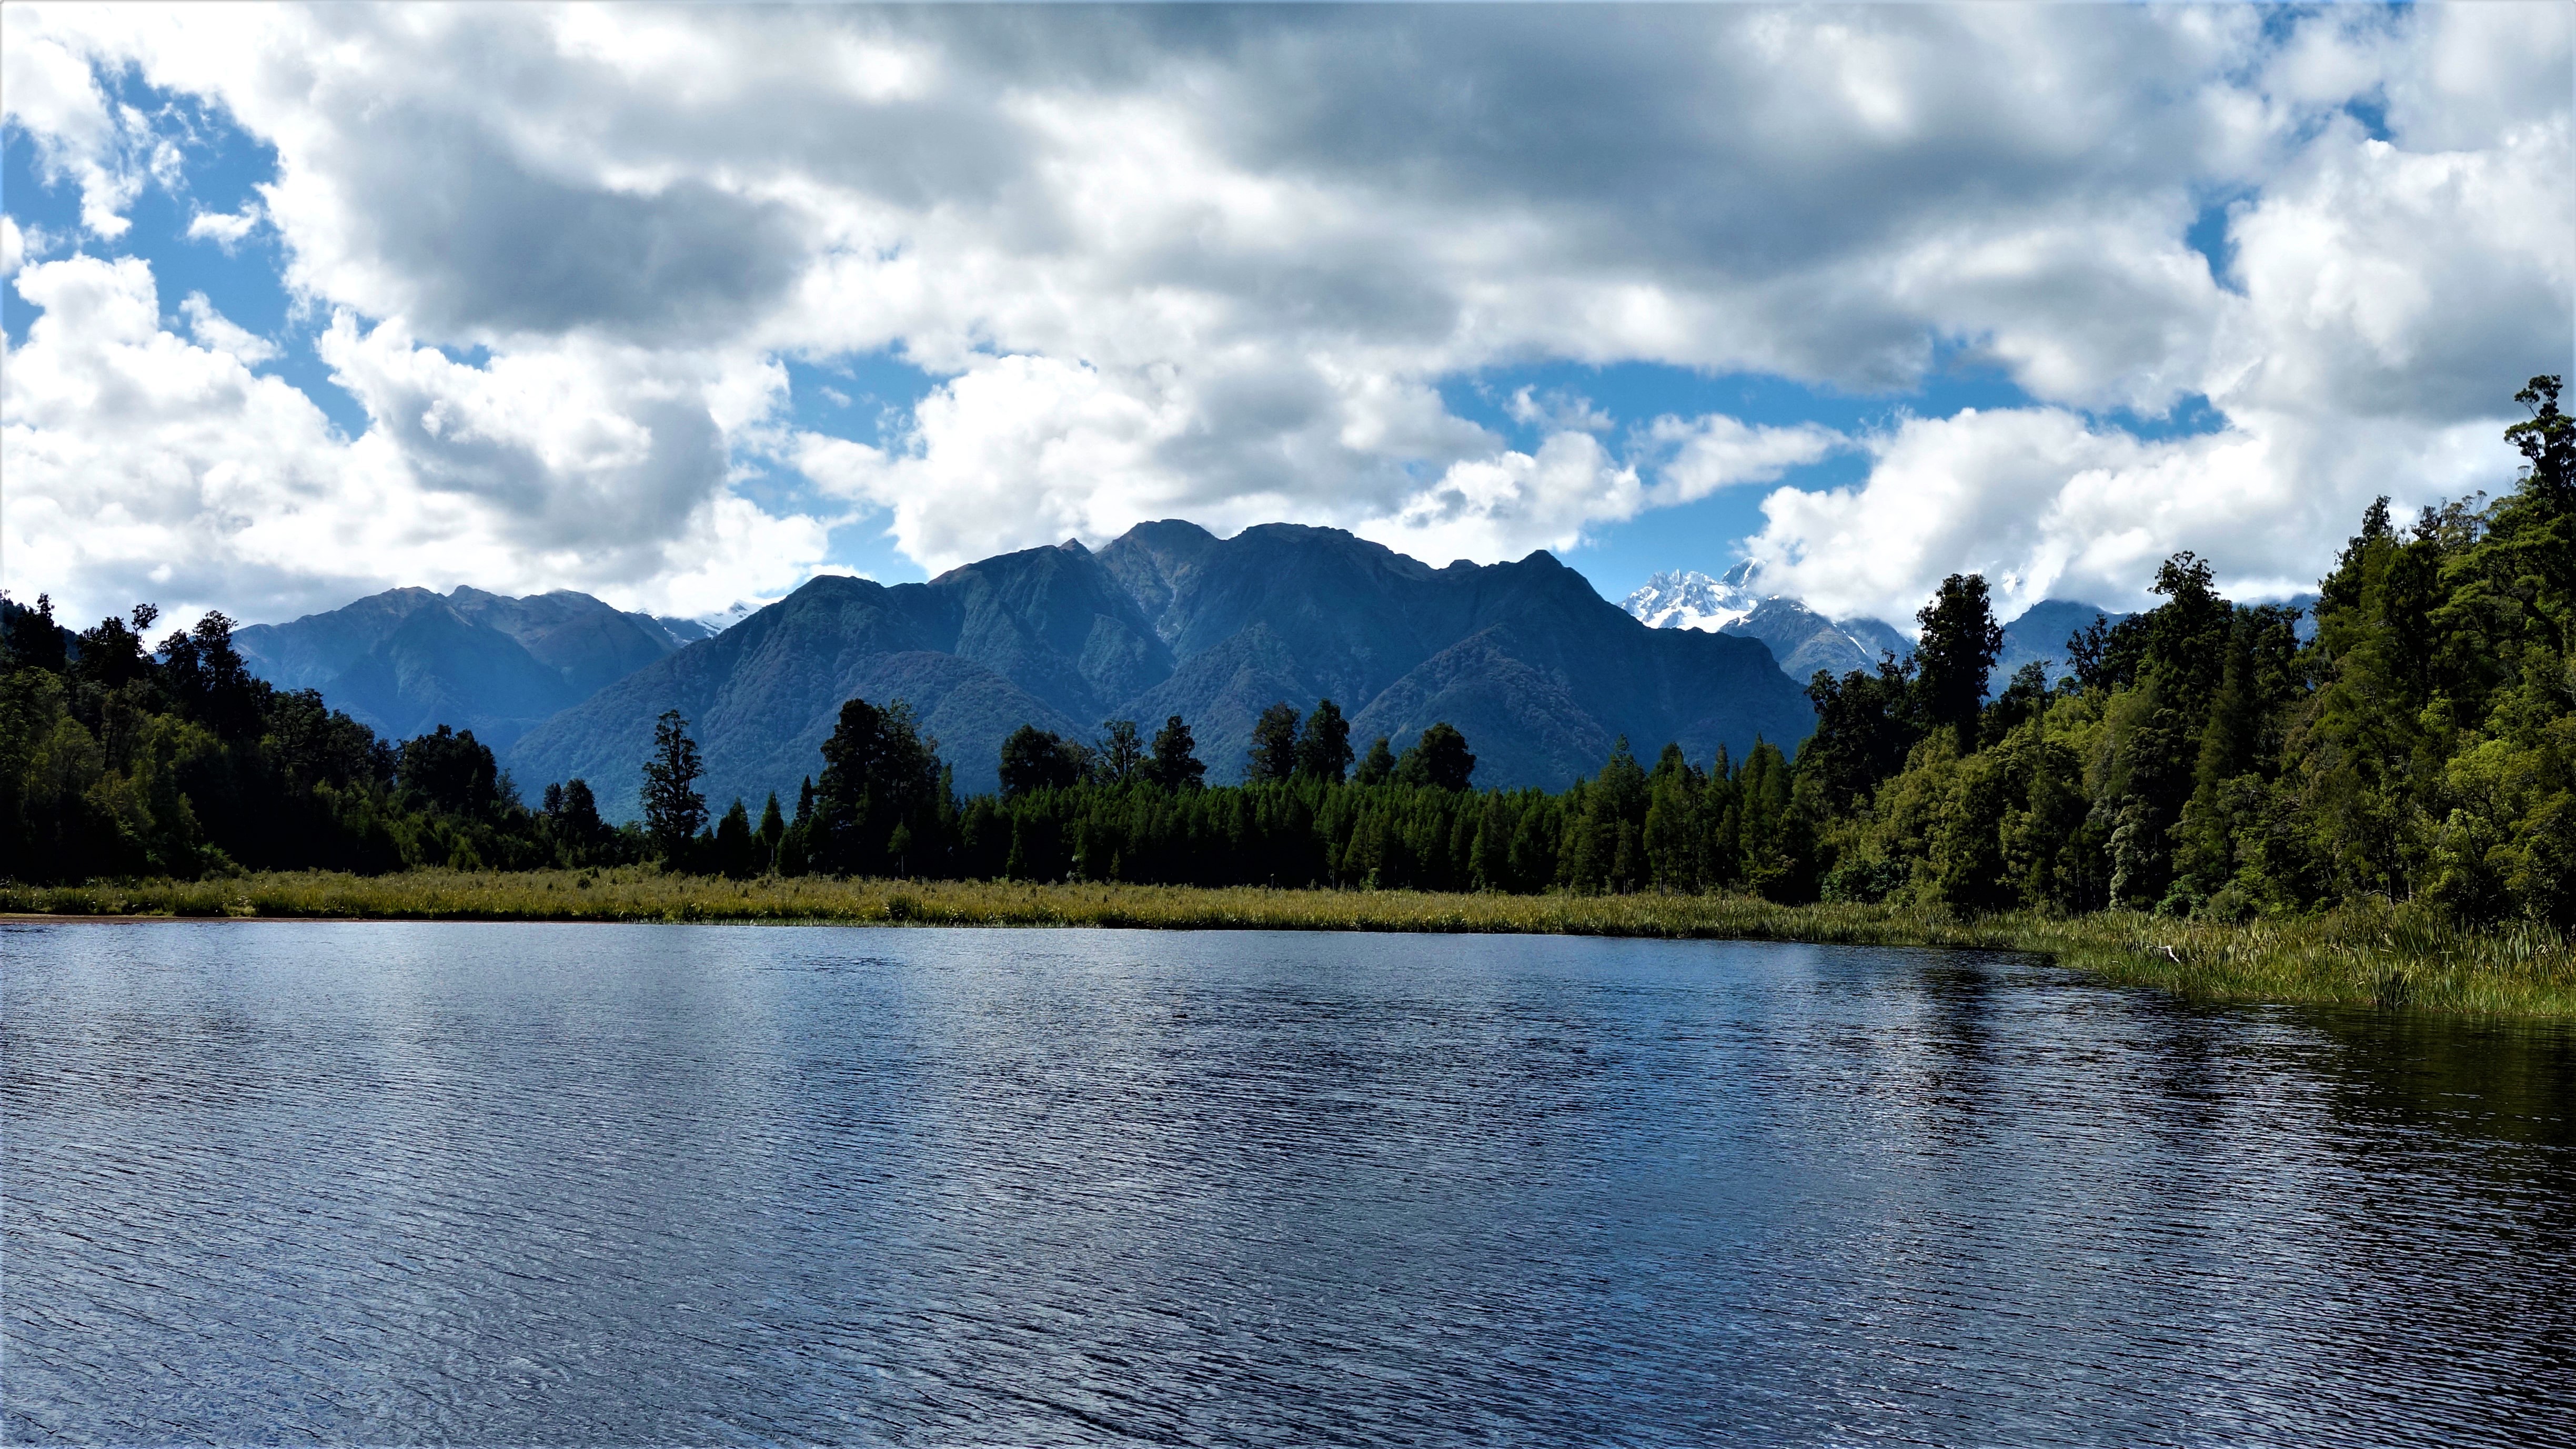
1805, 641
407, 660
1802, 640
1538, 671
1535, 667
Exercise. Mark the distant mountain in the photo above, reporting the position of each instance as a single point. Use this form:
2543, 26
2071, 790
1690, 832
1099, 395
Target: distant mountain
2039, 637
1802, 640
408, 660
1538, 671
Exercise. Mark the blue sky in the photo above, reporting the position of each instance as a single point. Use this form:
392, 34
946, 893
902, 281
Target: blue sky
680, 307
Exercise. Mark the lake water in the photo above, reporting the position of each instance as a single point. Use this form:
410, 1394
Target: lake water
483, 1184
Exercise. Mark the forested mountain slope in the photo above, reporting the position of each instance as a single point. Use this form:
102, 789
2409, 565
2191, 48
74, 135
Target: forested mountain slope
407, 660
1541, 673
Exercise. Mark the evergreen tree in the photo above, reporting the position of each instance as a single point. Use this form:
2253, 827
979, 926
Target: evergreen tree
881, 805
674, 811
1439, 759
1120, 753
34, 639
1378, 765
1324, 750
1175, 765
1036, 759
1956, 652
773, 829
452, 771
1273, 754
735, 847
1865, 725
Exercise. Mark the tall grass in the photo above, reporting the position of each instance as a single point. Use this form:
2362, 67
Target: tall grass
2378, 954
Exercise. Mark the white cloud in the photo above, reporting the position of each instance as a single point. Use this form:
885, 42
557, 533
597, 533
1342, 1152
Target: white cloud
224, 228
215, 331
1219, 264
46, 88
141, 465
1507, 504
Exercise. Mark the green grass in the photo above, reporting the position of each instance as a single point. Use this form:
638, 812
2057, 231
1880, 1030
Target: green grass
2383, 955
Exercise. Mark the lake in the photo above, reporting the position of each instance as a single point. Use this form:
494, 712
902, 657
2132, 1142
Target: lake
392, 1182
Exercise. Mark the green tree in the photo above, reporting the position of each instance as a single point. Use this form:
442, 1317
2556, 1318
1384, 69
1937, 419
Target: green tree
1954, 654
1120, 753
736, 849
881, 806
1175, 765
773, 829
1273, 753
674, 811
1378, 765
1324, 750
452, 771
1036, 759
1439, 760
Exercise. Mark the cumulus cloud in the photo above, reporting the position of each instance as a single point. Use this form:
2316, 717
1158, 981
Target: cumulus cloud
219, 333
1220, 263
141, 464
225, 229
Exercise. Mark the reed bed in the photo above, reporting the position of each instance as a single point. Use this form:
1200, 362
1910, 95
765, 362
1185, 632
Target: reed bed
2379, 954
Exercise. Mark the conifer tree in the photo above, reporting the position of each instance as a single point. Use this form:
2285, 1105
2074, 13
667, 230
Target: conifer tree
1273, 754
1324, 750
674, 811
1175, 765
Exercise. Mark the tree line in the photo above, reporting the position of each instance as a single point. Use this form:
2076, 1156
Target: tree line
2197, 758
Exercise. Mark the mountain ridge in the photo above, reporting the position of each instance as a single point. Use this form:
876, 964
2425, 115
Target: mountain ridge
408, 659
1538, 670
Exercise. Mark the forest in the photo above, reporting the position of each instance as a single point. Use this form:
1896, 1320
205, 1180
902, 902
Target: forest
2200, 759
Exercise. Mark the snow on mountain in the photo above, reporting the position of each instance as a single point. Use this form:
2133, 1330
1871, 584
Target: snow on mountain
1688, 599
1801, 640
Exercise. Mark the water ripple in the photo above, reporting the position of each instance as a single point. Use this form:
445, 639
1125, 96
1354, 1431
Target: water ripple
537, 1184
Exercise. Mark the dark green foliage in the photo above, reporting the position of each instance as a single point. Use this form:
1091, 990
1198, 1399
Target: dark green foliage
736, 850
1273, 755
1955, 654
1175, 764
882, 805
1324, 750
1119, 758
2421, 746
773, 829
1865, 724
33, 639
674, 811
1378, 764
571, 817
1036, 759
1439, 760
114, 762
452, 772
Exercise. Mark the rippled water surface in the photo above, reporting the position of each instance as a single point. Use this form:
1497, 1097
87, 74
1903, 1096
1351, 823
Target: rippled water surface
653, 1185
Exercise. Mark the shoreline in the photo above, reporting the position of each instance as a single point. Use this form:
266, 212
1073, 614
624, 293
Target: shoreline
2378, 955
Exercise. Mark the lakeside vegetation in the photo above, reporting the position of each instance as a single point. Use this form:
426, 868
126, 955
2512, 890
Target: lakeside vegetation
2383, 810
2373, 954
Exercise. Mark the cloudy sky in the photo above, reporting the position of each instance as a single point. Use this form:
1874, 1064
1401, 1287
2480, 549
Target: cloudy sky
680, 307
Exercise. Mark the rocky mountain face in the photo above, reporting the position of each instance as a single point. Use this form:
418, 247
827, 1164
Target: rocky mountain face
1802, 640
407, 660
1805, 641
1538, 671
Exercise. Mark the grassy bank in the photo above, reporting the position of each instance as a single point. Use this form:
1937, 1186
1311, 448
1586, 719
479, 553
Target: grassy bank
2382, 955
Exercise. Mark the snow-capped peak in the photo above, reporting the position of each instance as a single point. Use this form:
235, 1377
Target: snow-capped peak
1689, 599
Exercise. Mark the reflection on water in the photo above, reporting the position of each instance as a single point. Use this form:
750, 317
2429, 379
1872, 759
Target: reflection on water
582, 1184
